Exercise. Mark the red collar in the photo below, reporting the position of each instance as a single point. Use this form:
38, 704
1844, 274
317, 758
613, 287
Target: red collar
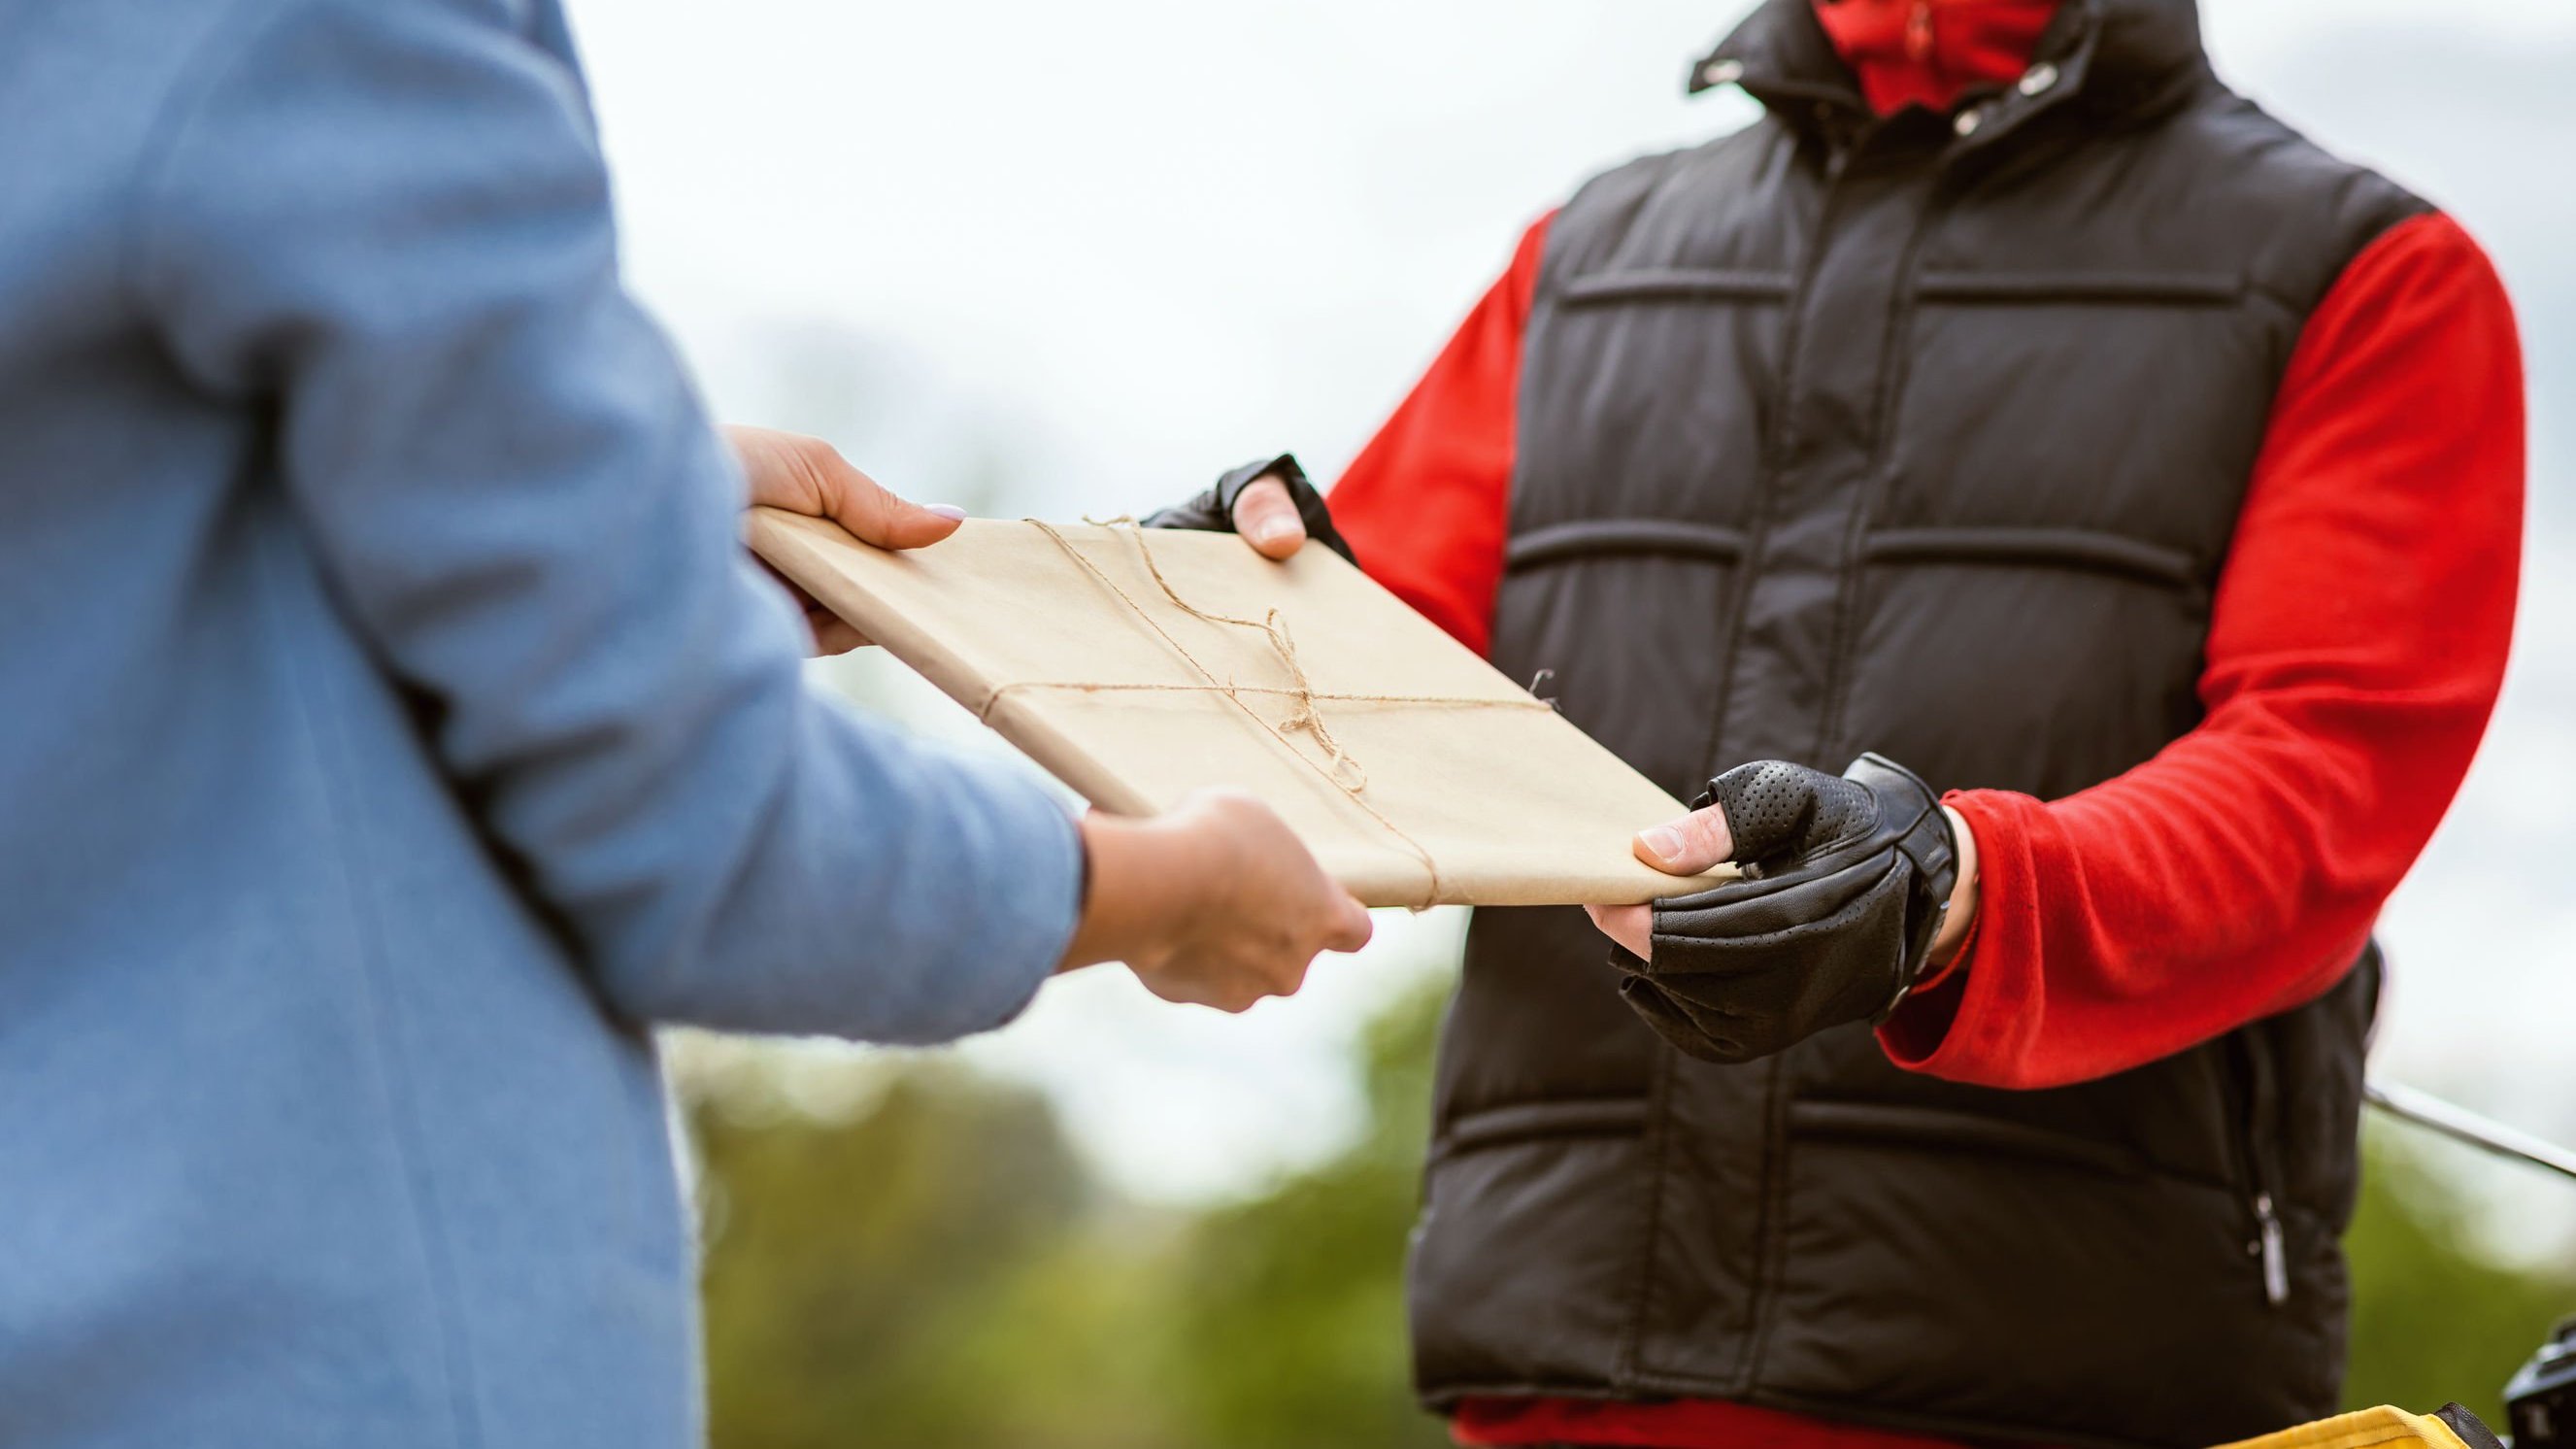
1930, 52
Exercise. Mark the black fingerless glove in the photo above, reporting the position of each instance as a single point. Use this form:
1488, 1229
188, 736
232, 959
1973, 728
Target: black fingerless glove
1846, 880
1213, 510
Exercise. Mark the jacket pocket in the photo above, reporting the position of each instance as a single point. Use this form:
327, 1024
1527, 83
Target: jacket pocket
1942, 1130
2259, 1157
1678, 284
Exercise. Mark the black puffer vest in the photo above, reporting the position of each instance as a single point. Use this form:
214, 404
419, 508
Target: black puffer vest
1924, 437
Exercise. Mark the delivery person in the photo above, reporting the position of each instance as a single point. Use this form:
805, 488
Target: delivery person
391, 730
2074, 519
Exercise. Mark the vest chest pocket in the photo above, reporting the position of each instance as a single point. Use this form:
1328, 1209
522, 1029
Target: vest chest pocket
1679, 284
1644, 395
2094, 288
2034, 659
2127, 404
1628, 618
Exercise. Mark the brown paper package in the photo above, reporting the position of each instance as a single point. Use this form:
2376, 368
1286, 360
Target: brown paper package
1139, 666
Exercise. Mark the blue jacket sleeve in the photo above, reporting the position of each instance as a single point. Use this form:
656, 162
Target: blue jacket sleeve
387, 227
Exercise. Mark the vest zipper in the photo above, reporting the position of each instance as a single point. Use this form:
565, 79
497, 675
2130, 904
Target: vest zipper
2270, 1246
2276, 1264
1894, 367
1781, 403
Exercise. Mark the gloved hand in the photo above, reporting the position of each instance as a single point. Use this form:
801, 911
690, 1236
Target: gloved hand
1846, 884
1269, 502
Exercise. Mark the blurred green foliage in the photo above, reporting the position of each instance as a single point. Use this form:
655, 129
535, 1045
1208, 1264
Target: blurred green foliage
934, 1270
2435, 1318
937, 1271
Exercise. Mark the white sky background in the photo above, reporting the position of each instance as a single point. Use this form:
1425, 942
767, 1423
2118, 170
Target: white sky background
1078, 257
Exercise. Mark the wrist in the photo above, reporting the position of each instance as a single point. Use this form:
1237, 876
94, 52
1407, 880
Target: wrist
1961, 913
1110, 928
1144, 890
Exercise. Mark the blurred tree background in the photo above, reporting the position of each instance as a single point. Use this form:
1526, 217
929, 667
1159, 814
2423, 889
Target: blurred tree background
921, 1260
2438, 1315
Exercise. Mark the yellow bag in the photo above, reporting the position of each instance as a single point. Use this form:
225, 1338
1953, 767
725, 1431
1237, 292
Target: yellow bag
2385, 1425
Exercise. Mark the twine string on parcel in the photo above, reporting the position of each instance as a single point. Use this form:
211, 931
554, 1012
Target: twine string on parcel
1512, 807
1345, 773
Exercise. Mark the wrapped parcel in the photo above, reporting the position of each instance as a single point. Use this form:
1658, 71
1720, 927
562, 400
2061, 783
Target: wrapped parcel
1138, 666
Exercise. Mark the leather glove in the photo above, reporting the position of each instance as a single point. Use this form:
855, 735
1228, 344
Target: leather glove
1213, 510
1846, 880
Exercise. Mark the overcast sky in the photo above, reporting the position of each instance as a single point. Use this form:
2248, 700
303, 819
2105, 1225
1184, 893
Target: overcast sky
1069, 258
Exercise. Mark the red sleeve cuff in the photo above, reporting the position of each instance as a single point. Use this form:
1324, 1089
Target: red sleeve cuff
1973, 1020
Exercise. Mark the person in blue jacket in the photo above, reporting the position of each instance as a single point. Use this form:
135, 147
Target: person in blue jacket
391, 729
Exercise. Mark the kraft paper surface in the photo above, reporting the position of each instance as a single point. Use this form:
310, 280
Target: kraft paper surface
1415, 772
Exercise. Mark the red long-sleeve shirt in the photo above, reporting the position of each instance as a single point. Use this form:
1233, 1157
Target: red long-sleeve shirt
2357, 640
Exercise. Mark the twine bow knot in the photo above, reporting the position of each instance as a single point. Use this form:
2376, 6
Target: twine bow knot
1344, 772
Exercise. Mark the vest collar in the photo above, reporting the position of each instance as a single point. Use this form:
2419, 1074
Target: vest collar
2113, 56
